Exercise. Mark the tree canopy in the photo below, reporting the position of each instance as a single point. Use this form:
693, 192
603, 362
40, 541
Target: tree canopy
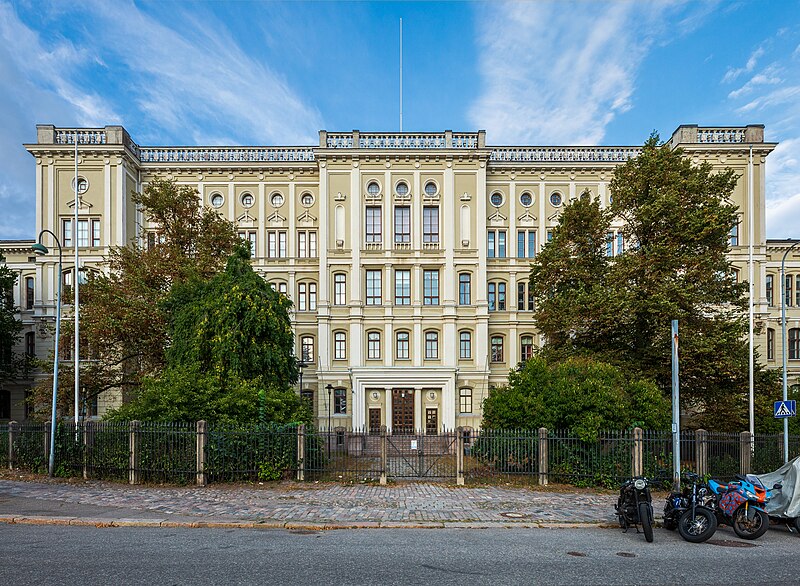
10, 326
676, 219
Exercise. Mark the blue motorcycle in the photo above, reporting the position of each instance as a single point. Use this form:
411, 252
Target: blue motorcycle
741, 504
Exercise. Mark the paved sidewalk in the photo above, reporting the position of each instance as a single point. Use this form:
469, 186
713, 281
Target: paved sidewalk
300, 505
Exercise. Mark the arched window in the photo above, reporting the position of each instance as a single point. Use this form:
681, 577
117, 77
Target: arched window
465, 345
307, 296
497, 354
373, 345
339, 346
794, 344
497, 296
401, 346
307, 349
432, 345
339, 289
526, 347
464, 289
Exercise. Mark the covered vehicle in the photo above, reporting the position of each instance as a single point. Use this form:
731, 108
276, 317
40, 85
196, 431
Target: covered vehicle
785, 502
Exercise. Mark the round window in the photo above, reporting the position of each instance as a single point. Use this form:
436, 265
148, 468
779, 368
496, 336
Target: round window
247, 200
431, 189
217, 200
83, 185
526, 199
277, 200
496, 199
401, 189
373, 188
555, 198
307, 199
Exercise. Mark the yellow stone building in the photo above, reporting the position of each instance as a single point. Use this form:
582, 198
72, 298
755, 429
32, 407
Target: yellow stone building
406, 254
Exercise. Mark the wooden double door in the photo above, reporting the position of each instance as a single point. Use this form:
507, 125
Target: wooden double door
403, 411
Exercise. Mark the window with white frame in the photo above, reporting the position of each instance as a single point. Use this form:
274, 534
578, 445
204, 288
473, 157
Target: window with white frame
307, 349
30, 291
339, 346
465, 400
373, 225
464, 289
339, 289
430, 287
373, 345
496, 244
770, 286
465, 345
276, 243
402, 346
431, 345
373, 287
733, 239
526, 347
788, 290
497, 296
524, 296
526, 243
281, 287
402, 287
430, 224
306, 296
307, 244
497, 349
794, 344
88, 232
339, 401
402, 224
249, 236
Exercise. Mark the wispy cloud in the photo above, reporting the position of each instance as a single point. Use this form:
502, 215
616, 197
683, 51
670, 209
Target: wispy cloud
769, 76
732, 73
551, 74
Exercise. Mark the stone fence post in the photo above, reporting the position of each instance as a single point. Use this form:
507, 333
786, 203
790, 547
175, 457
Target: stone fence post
202, 442
701, 451
301, 452
745, 452
134, 453
544, 457
638, 452
12, 428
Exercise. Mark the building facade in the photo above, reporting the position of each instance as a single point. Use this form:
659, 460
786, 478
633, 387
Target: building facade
406, 255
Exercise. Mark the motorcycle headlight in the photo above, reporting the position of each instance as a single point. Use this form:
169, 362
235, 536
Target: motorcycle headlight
639, 484
750, 495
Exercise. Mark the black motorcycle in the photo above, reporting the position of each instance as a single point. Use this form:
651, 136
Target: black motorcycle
635, 506
690, 510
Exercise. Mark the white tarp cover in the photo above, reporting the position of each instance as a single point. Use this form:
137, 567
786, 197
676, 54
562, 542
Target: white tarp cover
784, 502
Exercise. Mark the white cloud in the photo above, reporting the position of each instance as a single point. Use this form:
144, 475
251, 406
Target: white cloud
733, 73
554, 75
770, 76
783, 218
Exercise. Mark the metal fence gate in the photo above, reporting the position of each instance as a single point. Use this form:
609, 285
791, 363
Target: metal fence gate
421, 455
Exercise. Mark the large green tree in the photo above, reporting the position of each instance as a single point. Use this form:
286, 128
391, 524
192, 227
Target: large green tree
230, 353
677, 217
10, 326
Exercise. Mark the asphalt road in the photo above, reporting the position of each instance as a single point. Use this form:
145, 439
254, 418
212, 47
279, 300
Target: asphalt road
32, 554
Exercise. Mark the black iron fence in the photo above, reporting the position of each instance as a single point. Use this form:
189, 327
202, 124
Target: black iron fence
188, 453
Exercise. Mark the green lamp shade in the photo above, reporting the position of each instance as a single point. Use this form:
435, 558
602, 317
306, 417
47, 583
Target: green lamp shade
39, 248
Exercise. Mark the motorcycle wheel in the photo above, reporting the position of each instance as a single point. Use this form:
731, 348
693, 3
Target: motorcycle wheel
697, 528
645, 520
750, 529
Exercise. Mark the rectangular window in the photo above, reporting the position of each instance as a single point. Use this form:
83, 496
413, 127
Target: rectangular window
373, 231
734, 238
276, 243
402, 287
30, 344
83, 233
549, 235
431, 345
794, 344
430, 224
306, 244
373, 287
339, 289
302, 304
497, 349
797, 291
496, 244
402, 346
464, 289
339, 401
373, 345
497, 296
249, 236
620, 243
29, 292
770, 344
490, 244
526, 347
609, 244
526, 243
492, 297
465, 345
402, 224
312, 296
95, 233
770, 287
789, 280
521, 296
430, 288
307, 349
66, 233
465, 400
339, 346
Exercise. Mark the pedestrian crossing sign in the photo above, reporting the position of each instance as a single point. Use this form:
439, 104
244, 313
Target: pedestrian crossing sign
785, 409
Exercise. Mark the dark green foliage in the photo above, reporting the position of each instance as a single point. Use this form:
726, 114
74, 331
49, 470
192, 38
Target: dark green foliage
10, 326
578, 393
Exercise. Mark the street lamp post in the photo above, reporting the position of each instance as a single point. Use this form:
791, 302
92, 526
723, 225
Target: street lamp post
329, 388
301, 364
40, 248
783, 346
77, 308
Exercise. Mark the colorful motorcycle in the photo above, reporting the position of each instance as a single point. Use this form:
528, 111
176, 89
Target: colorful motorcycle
741, 504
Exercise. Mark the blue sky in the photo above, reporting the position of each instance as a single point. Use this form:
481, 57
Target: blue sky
203, 73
